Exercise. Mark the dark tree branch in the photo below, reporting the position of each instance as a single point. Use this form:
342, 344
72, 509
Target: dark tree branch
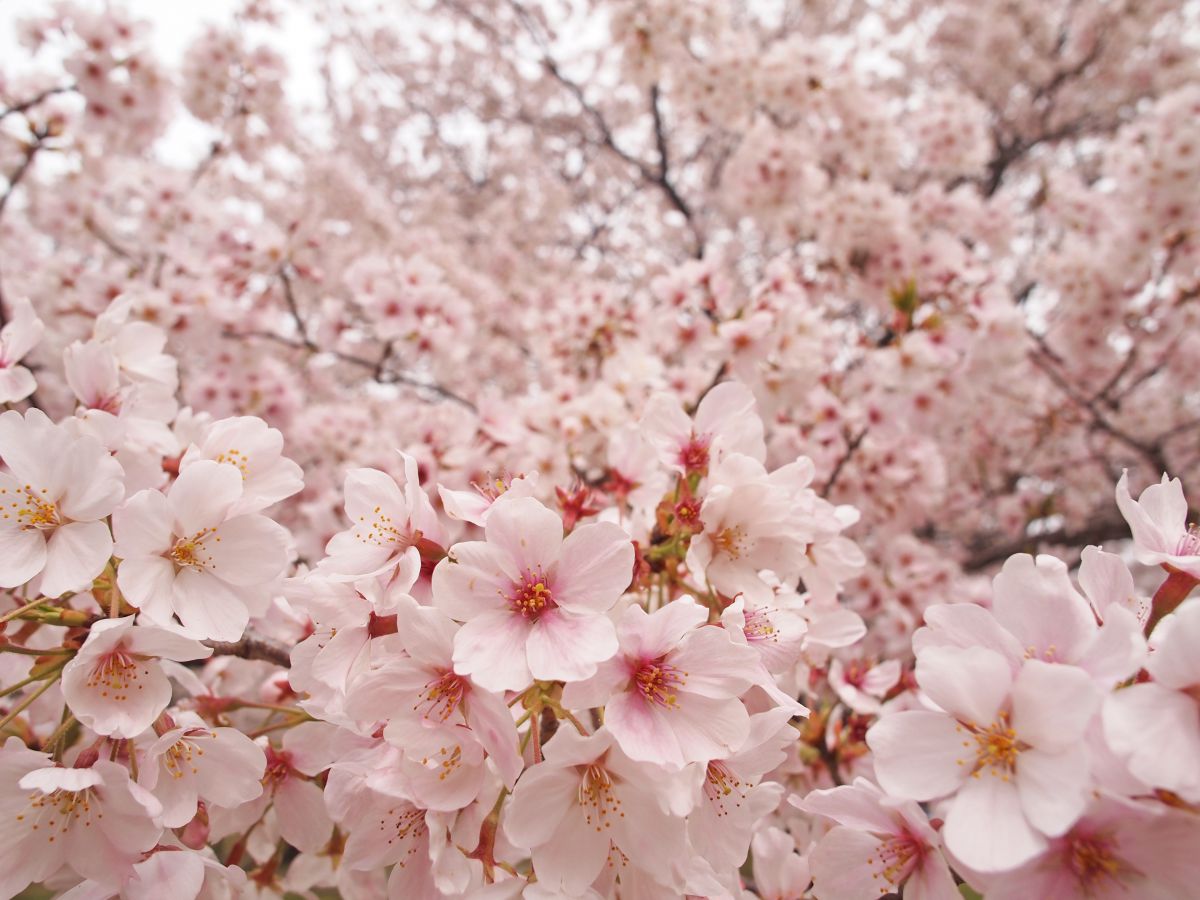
1100, 532
254, 646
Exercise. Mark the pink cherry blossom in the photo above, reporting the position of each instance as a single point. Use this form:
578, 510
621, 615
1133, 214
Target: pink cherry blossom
1158, 520
725, 422
671, 692
256, 451
533, 604
588, 803
1155, 726
183, 554
55, 495
114, 685
1038, 614
1117, 849
389, 521
184, 765
20, 335
1007, 749
734, 795
94, 820
424, 691
880, 845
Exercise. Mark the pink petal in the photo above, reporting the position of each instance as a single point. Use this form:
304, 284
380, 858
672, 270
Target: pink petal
917, 754
650, 635
202, 496
491, 649
594, 567
1053, 787
1052, 705
563, 646
75, 554
247, 550
525, 531
970, 683
986, 829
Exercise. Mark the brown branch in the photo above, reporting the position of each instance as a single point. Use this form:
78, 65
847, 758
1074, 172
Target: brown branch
254, 646
1045, 359
14, 181
33, 101
987, 555
852, 444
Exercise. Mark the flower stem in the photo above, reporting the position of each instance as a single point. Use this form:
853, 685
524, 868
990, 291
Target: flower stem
13, 613
28, 701
1170, 594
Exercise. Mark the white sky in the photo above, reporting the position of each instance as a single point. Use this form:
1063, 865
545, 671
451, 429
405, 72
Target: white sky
174, 24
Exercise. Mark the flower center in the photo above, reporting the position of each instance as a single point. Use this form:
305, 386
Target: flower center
1189, 543
532, 596
658, 682
597, 798
190, 552
759, 627
732, 541
441, 697
721, 785
382, 531
1093, 861
693, 455
996, 748
181, 758
59, 810
279, 767
403, 824
895, 858
237, 458
32, 510
116, 674
445, 761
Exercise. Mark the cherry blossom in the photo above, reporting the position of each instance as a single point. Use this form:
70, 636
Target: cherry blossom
670, 694
533, 604
55, 495
192, 762
20, 335
115, 685
588, 803
185, 554
1158, 520
878, 846
1008, 750
93, 819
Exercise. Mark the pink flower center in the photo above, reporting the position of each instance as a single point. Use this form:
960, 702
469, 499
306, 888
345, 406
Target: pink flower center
441, 697
597, 798
191, 553
759, 627
117, 673
722, 786
1093, 861
1189, 543
279, 768
382, 531
658, 682
56, 812
996, 748
896, 857
32, 510
532, 596
182, 757
693, 455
